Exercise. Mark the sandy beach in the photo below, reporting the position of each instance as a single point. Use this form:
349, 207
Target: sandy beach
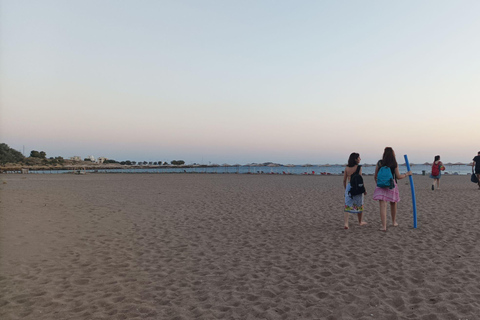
218, 246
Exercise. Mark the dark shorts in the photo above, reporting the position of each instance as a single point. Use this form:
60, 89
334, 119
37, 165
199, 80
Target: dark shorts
477, 170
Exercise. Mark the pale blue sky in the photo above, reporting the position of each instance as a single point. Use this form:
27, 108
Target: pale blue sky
241, 81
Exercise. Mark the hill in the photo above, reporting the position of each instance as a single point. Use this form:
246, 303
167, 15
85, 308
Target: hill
9, 155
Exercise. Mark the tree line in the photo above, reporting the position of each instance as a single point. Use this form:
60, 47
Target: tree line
9, 155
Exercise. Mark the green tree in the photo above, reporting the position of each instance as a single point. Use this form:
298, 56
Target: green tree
9, 155
177, 162
43, 154
34, 154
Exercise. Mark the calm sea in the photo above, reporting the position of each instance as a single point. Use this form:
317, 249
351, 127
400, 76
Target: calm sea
297, 170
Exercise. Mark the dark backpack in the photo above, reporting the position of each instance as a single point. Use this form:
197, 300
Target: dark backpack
356, 184
435, 169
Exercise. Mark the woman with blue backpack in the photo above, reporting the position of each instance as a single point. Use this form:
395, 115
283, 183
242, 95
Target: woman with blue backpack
354, 189
386, 176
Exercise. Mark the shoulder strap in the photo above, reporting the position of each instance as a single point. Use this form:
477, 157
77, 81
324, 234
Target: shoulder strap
358, 169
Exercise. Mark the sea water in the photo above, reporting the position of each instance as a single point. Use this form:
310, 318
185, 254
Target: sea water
295, 170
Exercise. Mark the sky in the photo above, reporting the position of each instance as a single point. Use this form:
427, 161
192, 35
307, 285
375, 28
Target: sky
241, 81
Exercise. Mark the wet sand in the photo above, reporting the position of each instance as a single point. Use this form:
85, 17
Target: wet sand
214, 246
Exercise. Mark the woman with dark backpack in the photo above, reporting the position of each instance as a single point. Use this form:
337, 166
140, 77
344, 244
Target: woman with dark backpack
437, 168
354, 189
387, 191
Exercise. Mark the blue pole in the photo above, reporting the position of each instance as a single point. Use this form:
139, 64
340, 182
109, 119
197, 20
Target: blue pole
414, 202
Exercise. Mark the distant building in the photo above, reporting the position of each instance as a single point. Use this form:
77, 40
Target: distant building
76, 158
92, 158
101, 160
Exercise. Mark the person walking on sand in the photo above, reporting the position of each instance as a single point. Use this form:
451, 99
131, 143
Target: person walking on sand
437, 168
476, 166
353, 193
387, 168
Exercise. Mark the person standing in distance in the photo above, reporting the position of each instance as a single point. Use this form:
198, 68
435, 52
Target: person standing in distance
437, 168
476, 167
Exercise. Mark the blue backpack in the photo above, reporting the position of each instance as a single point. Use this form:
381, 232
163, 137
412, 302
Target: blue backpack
385, 178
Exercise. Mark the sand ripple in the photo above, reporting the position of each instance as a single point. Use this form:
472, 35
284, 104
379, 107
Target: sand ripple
166, 246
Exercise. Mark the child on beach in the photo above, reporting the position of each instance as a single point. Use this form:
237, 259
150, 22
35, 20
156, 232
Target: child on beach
384, 195
437, 168
476, 165
353, 204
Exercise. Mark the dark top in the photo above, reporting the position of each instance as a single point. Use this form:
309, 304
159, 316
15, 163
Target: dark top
379, 164
477, 163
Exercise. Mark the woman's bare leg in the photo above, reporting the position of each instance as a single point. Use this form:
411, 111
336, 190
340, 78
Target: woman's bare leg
383, 215
393, 210
346, 214
360, 219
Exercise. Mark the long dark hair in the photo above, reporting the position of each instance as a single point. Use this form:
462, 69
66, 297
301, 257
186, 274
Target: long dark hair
388, 158
352, 160
437, 158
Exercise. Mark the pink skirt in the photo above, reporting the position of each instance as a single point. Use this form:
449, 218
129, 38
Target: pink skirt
386, 194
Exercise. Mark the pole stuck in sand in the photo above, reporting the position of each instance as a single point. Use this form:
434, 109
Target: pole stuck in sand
414, 202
